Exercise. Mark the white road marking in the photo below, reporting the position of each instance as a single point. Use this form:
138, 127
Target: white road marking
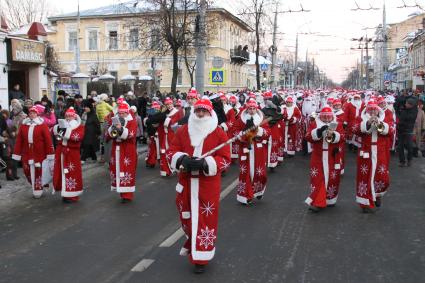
145, 263
142, 265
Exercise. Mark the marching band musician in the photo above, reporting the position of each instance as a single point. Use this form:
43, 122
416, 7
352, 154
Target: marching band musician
252, 153
122, 167
352, 110
325, 134
342, 119
234, 103
152, 156
67, 174
292, 115
33, 146
199, 179
372, 158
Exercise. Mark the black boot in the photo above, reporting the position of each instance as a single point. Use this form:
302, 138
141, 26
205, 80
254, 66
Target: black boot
199, 269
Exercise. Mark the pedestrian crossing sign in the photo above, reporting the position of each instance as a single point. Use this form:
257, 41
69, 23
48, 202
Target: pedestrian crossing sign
217, 76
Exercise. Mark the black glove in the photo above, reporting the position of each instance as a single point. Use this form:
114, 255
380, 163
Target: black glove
335, 151
196, 164
185, 162
205, 167
321, 130
249, 124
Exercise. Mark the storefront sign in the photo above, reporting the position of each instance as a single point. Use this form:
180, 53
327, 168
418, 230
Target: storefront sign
28, 51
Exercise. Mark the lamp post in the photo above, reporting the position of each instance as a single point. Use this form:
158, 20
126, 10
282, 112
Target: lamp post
109, 80
81, 79
130, 80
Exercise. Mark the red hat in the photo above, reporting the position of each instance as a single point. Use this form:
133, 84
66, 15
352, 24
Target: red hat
39, 108
326, 111
70, 112
251, 103
233, 99
120, 100
251, 95
330, 100
267, 95
357, 95
380, 99
223, 96
156, 105
123, 107
289, 99
371, 105
192, 93
168, 101
33, 109
204, 104
336, 101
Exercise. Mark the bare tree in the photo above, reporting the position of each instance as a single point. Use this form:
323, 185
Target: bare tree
52, 62
255, 13
22, 12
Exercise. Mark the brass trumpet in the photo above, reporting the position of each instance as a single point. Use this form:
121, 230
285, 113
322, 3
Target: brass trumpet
378, 125
330, 136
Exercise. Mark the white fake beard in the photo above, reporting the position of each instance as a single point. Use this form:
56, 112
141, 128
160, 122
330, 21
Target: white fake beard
200, 128
71, 124
357, 103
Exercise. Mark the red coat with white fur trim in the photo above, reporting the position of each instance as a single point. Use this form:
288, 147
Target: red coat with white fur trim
67, 176
325, 167
252, 162
372, 160
198, 193
123, 163
292, 120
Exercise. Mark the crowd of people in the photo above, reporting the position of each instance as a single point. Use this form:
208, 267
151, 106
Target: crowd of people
199, 136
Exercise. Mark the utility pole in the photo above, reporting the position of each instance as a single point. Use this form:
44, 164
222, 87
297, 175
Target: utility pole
201, 42
273, 50
77, 48
367, 63
361, 69
384, 48
306, 69
296, 63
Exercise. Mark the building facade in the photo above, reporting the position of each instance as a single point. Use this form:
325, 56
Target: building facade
109, 44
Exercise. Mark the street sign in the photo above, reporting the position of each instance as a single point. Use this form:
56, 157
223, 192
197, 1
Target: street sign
218, 62
264, 67
217, 76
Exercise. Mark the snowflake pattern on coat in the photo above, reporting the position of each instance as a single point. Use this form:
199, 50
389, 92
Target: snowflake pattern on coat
379, 186
362, 188
314, 172
207, 237
71, 184
126, 179
241, 187
364, 169
207, 208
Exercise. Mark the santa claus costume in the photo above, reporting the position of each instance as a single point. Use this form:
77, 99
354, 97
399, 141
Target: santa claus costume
166, 134
292, 116
372, 159
33, 146
199, 181
122, 167
308, 111
342, 120
233, 101
252, 153
275, 123
152, 156
324, 163
352, 110
67, 176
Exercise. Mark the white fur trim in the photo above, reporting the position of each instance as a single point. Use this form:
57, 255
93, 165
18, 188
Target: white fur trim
124, 134
258, 117
179, 188
16, 157
241, 199
386, 129
167, 122
260, 132
184, 251
308, 200
337, 137
185, 214
66, 194
131, 189
224, 126
332, 201
212, 166
314, 135
363, 201
50, 157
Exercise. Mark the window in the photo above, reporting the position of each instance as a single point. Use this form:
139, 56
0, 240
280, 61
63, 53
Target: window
92, 39
113, 40
134, 73
134, 38
72, 40
180, 77
155, 39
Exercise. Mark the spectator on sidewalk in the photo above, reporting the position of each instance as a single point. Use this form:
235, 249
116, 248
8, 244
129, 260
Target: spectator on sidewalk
406, 122
102, 111
9, 143
139, 133
27, 105
16, 93
92, 132
419, 131
60, 108
17, 113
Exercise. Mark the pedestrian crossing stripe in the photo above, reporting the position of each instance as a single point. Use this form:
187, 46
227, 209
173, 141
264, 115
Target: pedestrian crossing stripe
217, 77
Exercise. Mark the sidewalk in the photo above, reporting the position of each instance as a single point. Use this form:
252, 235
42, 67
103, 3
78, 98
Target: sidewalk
14, 191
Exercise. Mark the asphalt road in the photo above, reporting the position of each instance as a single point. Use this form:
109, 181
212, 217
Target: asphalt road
275, 240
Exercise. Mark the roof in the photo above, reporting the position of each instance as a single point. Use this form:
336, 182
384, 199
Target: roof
23, 30
261, 60
132, 8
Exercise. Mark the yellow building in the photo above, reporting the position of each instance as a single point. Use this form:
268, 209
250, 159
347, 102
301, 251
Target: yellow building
109, 44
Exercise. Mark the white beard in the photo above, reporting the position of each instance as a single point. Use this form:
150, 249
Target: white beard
200, 128
356, 103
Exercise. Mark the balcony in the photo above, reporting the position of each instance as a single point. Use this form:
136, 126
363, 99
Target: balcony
239, 55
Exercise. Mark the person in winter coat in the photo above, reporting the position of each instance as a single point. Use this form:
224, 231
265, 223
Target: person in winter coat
33, 146
419, 131
92, 132
139, 133
17, 113
67, 174
9, 135
406, 122
103, 109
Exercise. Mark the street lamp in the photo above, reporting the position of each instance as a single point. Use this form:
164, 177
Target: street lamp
81, 79
130, 80
109, 80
